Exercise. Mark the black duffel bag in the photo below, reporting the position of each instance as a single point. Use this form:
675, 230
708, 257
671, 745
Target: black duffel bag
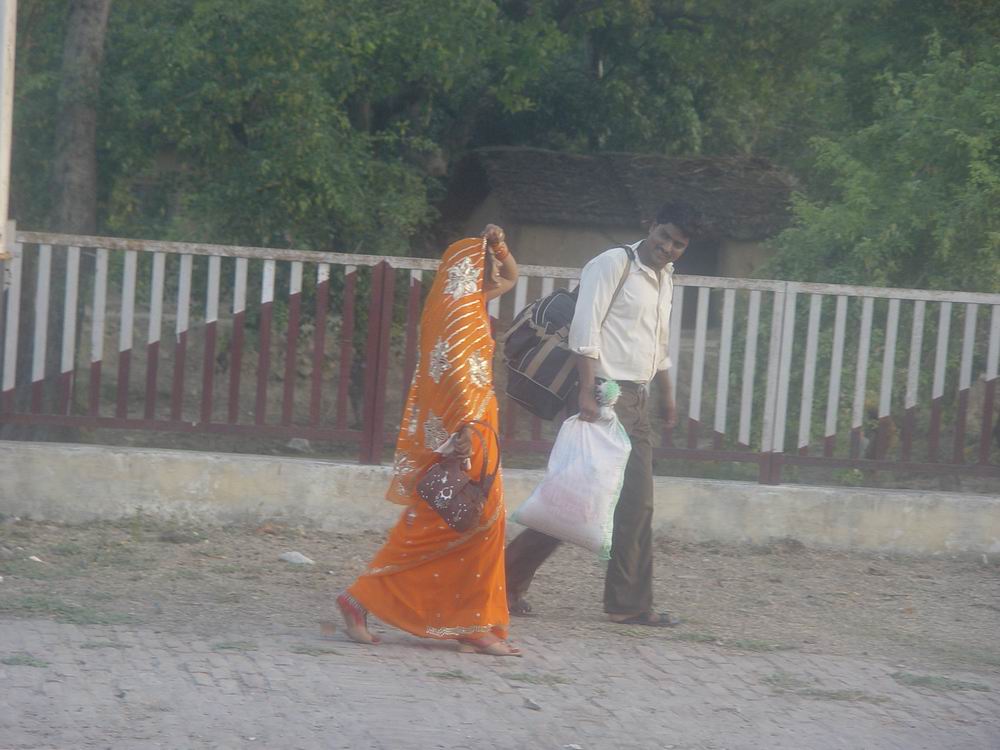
541, 370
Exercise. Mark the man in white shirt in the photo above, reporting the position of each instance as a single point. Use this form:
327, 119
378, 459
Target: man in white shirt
629, 345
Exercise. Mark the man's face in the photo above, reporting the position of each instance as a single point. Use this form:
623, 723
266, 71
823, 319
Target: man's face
666, 243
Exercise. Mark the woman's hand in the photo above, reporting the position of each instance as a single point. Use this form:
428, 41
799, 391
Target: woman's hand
493, 269
501, 268
494, 235
463, 442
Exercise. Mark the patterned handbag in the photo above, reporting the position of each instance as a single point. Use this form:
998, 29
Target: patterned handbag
450, 491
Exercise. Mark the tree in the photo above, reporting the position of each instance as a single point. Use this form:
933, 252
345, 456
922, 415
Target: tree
73, 179
74, 172
41, 33
302, 122
666, 77
913, 198
332, 124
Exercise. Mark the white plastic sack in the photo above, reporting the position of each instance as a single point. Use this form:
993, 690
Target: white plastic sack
576, 500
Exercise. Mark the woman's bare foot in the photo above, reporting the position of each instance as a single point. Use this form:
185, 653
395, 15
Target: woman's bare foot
490, 645
355, 620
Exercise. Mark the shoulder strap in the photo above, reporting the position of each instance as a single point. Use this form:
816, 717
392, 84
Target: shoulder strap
484, 480
621, 283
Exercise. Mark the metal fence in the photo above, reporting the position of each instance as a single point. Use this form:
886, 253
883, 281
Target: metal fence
286, 343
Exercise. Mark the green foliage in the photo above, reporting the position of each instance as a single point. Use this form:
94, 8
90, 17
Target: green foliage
327, 124
936, 682
244, 107
324, 124
682, 78
40, 30
915, 194
23, 659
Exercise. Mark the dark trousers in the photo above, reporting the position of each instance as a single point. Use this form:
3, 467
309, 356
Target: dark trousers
628, 584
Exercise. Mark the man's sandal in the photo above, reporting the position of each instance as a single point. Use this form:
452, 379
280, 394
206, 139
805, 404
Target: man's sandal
519, 608
651, 620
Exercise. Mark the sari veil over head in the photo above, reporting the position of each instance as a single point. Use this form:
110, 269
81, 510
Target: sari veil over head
429, 579
453, 381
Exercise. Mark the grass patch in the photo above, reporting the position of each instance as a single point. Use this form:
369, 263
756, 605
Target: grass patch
120, 556
67, 549
696, 637
782, 682
452, 674
538, 679
101, 553
841, 695
13, 531
742, 644
186, 574
301, 648
750, 644
179, 536
935, 682
990, 658
103, 644
23, 659
635, 632
234, 646
60, 611
964, 655
31, 570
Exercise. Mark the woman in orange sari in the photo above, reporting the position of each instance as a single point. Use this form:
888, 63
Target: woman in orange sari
429, 579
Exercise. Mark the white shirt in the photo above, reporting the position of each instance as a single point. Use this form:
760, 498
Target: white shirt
632, 344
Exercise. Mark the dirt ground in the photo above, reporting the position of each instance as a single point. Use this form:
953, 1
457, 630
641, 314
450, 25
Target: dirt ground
940, 612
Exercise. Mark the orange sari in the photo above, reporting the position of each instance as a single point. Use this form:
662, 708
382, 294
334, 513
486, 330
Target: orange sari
429, 579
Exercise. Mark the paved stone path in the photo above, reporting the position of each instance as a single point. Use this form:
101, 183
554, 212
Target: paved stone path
128, 688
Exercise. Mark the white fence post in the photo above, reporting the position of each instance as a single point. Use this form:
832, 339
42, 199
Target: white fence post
771, 394
8, 33
11, 321
7, 240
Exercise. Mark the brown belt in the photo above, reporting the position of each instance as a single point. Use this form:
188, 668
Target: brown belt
633, 385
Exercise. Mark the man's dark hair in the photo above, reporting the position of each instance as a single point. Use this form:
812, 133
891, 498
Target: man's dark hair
682, 215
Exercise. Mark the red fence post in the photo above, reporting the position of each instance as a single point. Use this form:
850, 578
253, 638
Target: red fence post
319, 343
776, 461
264, 356
764, 467
412, 333
377, 363
346, 360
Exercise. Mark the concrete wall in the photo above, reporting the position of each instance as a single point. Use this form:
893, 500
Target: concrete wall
572, 247
568, 246
740, 260
550, 245
73, 483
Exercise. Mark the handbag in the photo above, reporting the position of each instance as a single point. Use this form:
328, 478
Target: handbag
450, 491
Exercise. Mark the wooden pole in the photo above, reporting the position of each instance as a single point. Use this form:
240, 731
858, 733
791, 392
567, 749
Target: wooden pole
8, 31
